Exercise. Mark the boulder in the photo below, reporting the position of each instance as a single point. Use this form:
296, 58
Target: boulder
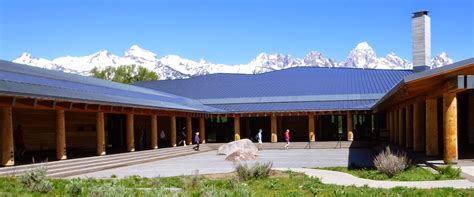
242, 145
241, 155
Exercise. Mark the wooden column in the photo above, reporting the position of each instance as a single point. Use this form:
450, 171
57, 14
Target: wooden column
350, 134
419, 126
189, 130
470, 116
395, 126
409, 126
100, 130
401, 127
130, 134
450, 130
311, 133
274, 128
60, 135
431, 127
237, 127
202, 130
8, 154
173, 131
154, 132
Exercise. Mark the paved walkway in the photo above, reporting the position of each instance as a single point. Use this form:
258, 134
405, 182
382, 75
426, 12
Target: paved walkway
210, 162
344, 179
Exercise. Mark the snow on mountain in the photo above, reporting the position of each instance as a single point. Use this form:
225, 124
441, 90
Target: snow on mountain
441, 60
176, 67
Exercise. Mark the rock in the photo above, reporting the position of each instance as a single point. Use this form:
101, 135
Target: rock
241, 155
243, 145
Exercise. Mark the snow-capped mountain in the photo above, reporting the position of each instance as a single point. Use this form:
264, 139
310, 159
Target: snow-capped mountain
176, 67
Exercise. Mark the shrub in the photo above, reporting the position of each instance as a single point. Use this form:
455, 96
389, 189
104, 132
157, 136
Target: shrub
450, 172
36, 181
74, 187
257, 171
390, 163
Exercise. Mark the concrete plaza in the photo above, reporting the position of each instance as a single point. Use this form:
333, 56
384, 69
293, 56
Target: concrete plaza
210, 162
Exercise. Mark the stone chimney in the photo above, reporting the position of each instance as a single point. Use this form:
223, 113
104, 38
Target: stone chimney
421, 46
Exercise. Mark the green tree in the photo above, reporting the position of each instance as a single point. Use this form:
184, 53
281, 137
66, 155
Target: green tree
124, 74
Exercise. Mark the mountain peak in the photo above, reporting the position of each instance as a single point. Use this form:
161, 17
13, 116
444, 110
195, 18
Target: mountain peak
137, 53
363, 46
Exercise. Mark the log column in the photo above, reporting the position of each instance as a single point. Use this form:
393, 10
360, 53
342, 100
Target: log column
173, 131
60, 135
8, 154
154, 132
130, 134
409, 126
350, 134
432, 127
311, 133
202, 130
237, 128
450, 130
274, 128
189, 130
419, 126
100, 129
401, 127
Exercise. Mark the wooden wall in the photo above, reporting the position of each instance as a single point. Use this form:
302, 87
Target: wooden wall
80, 130
39, 127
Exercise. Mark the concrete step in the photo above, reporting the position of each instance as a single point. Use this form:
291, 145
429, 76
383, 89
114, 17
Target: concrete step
85, 170
85, 159
82, 163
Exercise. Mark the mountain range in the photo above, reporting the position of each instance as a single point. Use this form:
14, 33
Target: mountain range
175, 67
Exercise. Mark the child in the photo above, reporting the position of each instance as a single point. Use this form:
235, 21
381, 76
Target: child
287, 138
196, 140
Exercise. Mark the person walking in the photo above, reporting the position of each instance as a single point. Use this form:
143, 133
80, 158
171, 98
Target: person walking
259, 138
196, 141
287, 138
162, 138
182, 137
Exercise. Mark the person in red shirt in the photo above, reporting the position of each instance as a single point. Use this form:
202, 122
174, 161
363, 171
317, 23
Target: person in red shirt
287, 138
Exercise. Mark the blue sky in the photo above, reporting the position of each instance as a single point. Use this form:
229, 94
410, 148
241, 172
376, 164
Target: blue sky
229, 32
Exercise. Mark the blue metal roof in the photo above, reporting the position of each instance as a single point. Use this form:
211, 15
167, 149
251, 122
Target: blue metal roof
17, 79
315, 88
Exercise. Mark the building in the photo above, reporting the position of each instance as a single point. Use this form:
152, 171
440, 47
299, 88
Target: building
65, 115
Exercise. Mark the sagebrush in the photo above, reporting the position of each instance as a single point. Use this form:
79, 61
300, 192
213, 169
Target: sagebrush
390, 163
36, 181
256, 171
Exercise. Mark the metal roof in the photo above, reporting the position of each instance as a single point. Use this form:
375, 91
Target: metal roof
308, 88
421, 75
18, 79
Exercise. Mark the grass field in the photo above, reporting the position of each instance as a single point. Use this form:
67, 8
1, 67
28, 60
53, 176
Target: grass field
413, 173
278, 184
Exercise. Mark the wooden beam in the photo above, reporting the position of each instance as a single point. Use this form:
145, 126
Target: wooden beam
189, 130
173, 131
311, 126
419, 126
274, 129
409, 126
202, 130
130, 134
61, 152
7, 148
237, 128
450, 130
154, 132
350, 134
431, 127
100, 130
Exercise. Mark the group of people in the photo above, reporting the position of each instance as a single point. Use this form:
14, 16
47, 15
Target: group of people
258, 137
182, 138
